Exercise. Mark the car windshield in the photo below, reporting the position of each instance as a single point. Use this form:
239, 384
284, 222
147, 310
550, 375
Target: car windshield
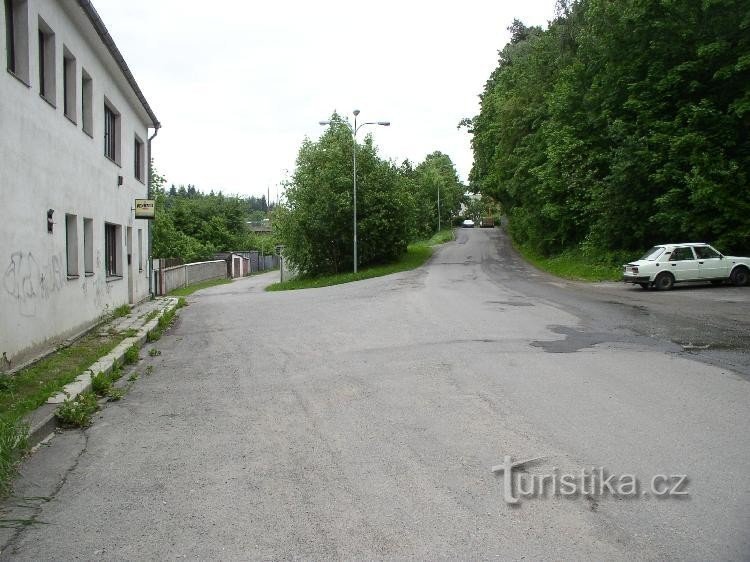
653, 253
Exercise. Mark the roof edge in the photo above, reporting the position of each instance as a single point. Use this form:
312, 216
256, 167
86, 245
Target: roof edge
109, 42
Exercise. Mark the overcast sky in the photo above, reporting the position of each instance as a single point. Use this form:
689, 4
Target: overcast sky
237, 85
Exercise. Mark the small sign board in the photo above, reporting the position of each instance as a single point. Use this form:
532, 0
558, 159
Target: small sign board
279, 249
144, 208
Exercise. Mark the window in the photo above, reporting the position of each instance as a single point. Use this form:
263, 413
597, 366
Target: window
140, 250
46, 62
86, 102
88, 247
17, 38
71, 244
682, 254
111, 133
138, 159
69, 85
706, 253
112, 250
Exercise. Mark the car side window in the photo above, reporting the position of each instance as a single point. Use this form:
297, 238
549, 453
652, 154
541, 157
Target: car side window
705, 253
682, 254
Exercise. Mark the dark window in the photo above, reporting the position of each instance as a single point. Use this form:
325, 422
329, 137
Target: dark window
10, 35
86, 101
110, 136
17, 38
47, 62
42, 56
69, 85
138, 163
111, 245
682, 254
706, 253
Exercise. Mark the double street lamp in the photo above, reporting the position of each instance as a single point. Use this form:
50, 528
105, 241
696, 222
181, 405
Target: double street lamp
354, 131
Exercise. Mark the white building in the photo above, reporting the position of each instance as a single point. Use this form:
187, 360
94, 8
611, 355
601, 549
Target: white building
74, 147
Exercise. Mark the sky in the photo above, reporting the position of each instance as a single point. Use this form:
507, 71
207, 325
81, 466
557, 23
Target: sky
238, 85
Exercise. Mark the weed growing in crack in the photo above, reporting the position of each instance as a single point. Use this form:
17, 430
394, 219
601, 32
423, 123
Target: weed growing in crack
101, 383
131, 355
13, 442
77, 412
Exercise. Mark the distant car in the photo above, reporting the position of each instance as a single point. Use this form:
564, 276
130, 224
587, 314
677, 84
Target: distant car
664, 265
468, 223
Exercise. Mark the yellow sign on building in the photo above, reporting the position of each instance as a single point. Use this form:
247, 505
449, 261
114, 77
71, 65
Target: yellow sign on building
144, 208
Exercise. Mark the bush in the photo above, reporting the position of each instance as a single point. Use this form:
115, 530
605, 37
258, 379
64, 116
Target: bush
77, 412
101, 383
132, 355
13, 441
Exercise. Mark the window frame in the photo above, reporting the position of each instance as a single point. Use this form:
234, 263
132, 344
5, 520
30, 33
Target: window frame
87, 103
47, 57
88, 247
138, 160
112, 142
71, 245
112, 251
70, 82
17, 39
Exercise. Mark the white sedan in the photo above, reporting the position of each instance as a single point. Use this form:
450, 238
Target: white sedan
664, 265
468, 223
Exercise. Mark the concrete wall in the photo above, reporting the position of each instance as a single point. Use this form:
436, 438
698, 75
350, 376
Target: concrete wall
47, 161
179, 276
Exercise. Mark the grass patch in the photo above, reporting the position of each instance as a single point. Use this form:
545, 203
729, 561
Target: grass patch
130, 333
190, 289
165, 321
151, 315
121, 311
101, 383
132, 355
29, 388
416, 255
13, 442
114, 394
578, 266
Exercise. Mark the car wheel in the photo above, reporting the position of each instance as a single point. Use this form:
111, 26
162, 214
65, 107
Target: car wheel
664, 281
643, 285
740, 276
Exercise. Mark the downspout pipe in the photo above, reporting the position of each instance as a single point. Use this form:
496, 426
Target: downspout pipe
157, 126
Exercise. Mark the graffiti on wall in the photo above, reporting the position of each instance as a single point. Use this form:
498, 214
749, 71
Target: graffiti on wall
30, 281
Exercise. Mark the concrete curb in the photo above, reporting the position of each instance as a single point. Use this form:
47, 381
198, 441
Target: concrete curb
43, 422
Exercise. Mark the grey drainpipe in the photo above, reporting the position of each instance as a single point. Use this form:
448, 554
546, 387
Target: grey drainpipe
151, 222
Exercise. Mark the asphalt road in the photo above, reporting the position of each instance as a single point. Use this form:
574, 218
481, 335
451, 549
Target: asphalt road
363, 420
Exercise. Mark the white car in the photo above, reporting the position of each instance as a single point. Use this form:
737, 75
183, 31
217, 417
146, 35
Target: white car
664, 265
468, 223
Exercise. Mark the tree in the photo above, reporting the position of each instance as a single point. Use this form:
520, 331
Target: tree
436, 175
623, 124
316, 223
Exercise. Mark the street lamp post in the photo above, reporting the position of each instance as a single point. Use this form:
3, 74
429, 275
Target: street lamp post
354, 131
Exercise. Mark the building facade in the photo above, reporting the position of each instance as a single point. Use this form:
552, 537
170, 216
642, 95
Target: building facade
74, 152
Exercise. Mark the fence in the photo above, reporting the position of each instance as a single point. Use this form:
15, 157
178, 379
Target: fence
171, 278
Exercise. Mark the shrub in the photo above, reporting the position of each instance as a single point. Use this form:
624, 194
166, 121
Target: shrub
101, 383
131, 355
77, 412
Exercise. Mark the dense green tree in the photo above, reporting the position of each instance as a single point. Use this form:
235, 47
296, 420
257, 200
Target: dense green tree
623, 124
193, 226
316, 222
433, 177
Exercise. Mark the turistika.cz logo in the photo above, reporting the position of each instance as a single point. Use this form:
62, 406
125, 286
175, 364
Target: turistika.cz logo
596, 481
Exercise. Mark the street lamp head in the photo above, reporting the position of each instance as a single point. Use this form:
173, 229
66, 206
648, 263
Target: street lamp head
324, 123
384, 123
356, 112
